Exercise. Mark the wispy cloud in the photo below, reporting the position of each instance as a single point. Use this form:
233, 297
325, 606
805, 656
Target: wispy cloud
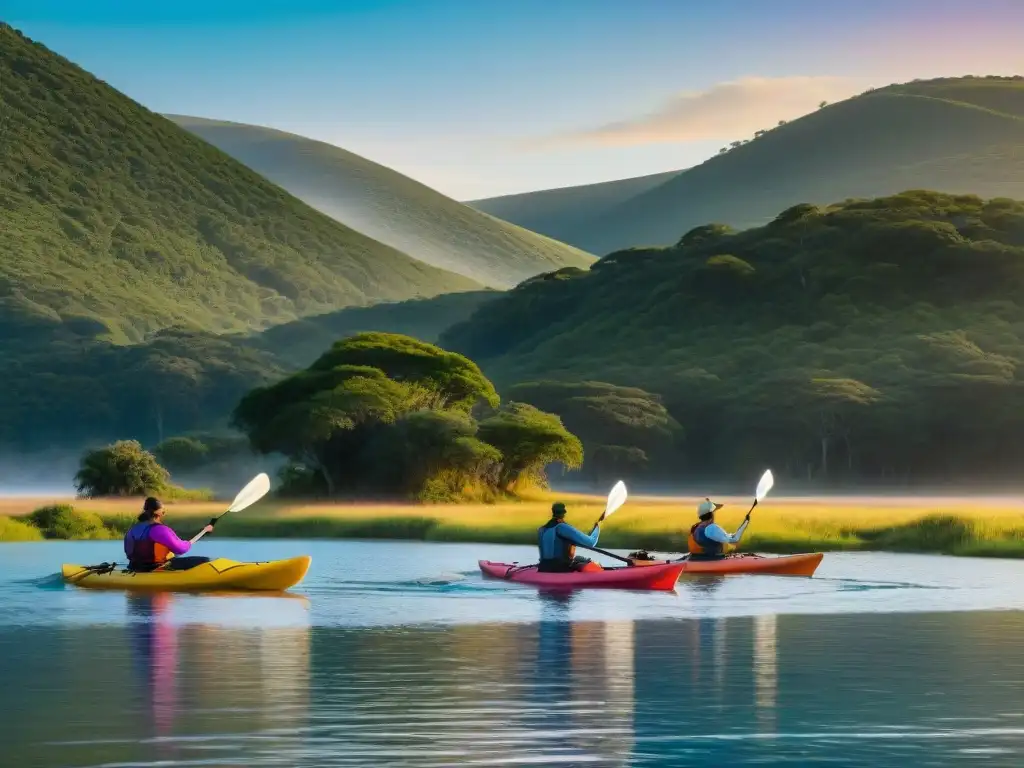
725, 111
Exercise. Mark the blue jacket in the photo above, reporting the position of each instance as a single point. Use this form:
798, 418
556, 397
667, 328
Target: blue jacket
556, 539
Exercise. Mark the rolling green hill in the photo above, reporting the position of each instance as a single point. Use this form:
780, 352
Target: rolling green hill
117, 223
957, 135
390, 207
561, 213
879, 339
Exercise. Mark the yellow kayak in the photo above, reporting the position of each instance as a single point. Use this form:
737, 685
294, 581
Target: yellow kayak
218, 574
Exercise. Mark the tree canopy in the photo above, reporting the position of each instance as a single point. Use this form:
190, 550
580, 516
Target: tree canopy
121, 469
626, 432
386, 414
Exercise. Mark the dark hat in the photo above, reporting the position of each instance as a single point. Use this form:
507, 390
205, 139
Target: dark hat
152, 504
558, 509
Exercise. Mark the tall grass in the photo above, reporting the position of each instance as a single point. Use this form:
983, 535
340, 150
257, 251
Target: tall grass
779, 526
16, 530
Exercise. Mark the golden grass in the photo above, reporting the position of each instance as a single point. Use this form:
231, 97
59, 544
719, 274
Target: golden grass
954, 526
16, 530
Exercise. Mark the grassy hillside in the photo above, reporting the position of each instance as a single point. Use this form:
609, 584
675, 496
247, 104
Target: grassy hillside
117, 223
390, 207
995, 93
957, 135
875, 340
561, 213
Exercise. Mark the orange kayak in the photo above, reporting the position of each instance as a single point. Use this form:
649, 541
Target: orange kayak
660, 575
784, 565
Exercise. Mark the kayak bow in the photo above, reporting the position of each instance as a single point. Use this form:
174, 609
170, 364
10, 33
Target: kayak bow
654, 576
218, 574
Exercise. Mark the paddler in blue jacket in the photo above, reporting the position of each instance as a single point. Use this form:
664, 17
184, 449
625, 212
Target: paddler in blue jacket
707, 538
557, 541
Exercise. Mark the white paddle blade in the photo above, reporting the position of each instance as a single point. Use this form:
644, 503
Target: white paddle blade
253, 492
767, 481
615, 499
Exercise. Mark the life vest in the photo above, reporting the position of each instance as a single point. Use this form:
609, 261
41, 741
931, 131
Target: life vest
556, 553
142, 552
699, 544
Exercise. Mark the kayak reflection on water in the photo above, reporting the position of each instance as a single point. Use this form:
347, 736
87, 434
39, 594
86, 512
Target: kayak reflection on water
150, 544
557, 541
708, 540
155, 643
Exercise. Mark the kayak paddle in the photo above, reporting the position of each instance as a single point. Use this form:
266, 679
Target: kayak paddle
616, 499
253, 492
763, 486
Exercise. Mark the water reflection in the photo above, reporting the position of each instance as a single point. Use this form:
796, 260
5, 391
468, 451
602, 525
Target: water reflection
766, 671
153, 689
155, 656
788, 690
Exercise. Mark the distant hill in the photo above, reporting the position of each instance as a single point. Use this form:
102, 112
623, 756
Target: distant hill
117, 223
560, 213
957, 135
879, 339
390, 207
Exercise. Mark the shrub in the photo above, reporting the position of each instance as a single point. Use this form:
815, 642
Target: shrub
121, 469
18, 530
62, 521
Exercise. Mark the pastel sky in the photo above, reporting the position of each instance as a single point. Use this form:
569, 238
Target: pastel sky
486, 97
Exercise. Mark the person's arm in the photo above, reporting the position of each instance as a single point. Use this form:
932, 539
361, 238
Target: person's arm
162, 534
715, 532
566, 531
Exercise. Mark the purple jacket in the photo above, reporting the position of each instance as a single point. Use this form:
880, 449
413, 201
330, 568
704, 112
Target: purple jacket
146, 534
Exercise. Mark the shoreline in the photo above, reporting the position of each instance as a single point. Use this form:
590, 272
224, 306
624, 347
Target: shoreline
778, 526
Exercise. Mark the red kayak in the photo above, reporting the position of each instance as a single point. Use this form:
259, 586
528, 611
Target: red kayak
659, 576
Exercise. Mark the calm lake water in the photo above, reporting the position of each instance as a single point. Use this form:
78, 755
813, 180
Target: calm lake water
401, 654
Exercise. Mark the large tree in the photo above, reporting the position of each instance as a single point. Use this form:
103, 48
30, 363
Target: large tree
387, 414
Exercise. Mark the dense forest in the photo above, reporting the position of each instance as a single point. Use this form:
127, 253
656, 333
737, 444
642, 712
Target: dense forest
178, 382
873, 340
870, 341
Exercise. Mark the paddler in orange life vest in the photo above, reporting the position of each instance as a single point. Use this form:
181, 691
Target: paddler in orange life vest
149, 543
557, 542
707, 538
